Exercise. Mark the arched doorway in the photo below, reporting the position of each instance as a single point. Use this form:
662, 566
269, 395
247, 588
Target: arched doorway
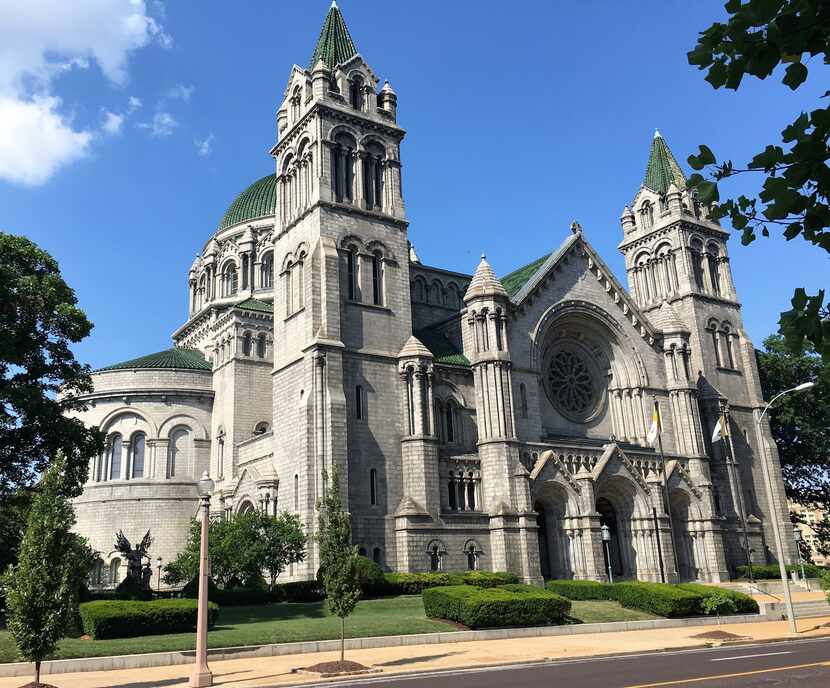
608, 517
556, 556
623, 509
687, 564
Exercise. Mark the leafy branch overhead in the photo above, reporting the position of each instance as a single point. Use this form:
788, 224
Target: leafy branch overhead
759, 37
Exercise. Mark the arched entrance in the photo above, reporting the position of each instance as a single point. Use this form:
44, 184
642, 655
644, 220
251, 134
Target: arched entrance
623, 509
687, 564
557, 557
608, 517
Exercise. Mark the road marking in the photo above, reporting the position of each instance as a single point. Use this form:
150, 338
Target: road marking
763, 654
701, 679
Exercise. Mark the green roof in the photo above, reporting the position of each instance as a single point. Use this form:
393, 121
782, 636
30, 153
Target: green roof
172, 359
662, 168
443, 350
334, 45
513, 282
255, 305
258, 200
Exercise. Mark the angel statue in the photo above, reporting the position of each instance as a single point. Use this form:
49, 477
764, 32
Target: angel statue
137, 567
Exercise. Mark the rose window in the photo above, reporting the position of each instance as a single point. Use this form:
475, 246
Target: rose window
571, 384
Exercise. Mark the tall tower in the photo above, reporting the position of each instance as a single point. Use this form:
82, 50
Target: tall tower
677, 262
341, 292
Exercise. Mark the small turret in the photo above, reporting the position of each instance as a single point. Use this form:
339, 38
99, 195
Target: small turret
388, 100
627, 220
320, 79
484, 283
674, 200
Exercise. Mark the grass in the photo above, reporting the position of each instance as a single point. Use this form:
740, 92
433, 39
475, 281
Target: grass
284, 623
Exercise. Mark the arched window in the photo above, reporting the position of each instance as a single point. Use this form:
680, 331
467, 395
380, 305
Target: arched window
376, 555
373, 175
96, 576
712, 327
418, 291
696, 249
260, 346
266, 271
471, 492
220, 454
296, 492
342, 172
177, 452
247, 344
230, 280
377, 279
351, 273
646, 215
246, 270
499, 334
115, 571
247, 507
139, 443
712, 255
726, 331
373, 487
201, 293
450, 418
435, 552
361, 551
358, 402
289, 289
296, 100
451, 492
356, 93
471, 552
116, 449
300, 267
261, 428
523, 400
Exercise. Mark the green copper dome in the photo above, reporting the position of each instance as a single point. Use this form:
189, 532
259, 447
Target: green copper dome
171, 359
258, 200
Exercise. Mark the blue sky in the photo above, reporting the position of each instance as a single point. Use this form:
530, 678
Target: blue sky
129, 129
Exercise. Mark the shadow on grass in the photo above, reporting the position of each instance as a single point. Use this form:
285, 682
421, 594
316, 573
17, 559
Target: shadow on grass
272, 612
415, 660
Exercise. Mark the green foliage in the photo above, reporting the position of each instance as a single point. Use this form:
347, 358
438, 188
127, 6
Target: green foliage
658, 598
799, 425
416, 583
744, 604
42, 589
40, 380
370, 576
298, 591
759, 37
771, 571
338, 557
825, 583
240, 548
14, 512
106, 619
489, 579
718, 603
510, 605
581, 589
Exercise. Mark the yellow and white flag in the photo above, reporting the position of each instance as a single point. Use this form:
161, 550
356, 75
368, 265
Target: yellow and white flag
721, 429
655, 428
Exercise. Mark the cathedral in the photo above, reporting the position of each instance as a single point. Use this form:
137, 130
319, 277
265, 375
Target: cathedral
475, 421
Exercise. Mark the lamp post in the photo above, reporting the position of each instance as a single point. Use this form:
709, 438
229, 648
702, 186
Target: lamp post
799, 538
202, 675
158, 580
606, 539
776, 528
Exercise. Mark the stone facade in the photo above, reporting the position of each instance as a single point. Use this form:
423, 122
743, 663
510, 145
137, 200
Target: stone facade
474, 422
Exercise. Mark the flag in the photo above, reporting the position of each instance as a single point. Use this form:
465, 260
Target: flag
721, 429
655, 428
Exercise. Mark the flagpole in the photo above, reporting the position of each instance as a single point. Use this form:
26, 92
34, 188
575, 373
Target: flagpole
665, 485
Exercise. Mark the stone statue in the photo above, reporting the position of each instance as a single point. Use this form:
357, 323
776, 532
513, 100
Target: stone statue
137, 559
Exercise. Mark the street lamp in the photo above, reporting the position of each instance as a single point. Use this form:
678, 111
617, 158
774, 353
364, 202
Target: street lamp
202, 675
158, 580
606, 539
776, 528
799, 538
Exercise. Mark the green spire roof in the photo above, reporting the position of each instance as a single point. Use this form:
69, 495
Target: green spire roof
335, 45
172, 359
662, 168
258, 200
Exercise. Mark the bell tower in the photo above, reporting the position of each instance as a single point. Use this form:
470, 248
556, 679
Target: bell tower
341, 288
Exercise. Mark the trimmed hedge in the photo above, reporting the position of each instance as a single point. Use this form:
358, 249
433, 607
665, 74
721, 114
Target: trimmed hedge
105, 619
658, 598
744, 604
771, 571
298, 591
490, 579
416, 583
510, 605
581, 589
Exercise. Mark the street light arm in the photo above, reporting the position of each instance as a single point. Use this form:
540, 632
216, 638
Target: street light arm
797, 388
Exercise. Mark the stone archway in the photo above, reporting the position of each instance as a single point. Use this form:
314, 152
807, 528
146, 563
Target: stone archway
608, 517
688, 565
558, 557
622, 507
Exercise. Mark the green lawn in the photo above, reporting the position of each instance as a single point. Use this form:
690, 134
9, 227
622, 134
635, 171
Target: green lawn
283, 623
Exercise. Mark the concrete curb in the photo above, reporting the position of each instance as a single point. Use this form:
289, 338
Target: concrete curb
157, 659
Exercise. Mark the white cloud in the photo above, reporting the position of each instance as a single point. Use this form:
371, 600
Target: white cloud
39, 41
112, 122
205, 146
133, 104
161, 125
35, 140
181, 92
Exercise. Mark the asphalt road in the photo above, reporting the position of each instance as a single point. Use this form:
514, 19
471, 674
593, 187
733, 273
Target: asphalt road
804, 663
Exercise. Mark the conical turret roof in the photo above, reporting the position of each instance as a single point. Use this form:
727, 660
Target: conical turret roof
662, 169
667, 319
335, 45
485, 282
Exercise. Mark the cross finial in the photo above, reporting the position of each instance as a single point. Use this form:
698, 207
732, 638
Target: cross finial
483, 256
657, 134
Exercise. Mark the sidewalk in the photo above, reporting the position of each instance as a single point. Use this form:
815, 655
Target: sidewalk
276, 671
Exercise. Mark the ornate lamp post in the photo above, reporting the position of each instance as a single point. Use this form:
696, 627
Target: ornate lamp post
202, 675
776, 528
606, 539
799, 538
158, 580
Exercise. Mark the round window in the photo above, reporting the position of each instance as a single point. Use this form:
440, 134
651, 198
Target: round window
572, 383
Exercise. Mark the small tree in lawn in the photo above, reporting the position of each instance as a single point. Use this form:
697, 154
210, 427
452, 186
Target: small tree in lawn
283, 543
41, 589
719, 603
338, 558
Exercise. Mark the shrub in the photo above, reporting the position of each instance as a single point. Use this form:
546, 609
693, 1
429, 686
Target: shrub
191, 590
299, 591
772, 572
581, 589
489, 579
370, 575
416, 583
717, 603
744, 604
131, 589
105, 619
658, 598
511, 605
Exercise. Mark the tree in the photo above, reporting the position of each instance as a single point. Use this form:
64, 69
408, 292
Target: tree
283, 543
42, 588
759, 37
40, 380
799, 425
338, 557
241, 547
